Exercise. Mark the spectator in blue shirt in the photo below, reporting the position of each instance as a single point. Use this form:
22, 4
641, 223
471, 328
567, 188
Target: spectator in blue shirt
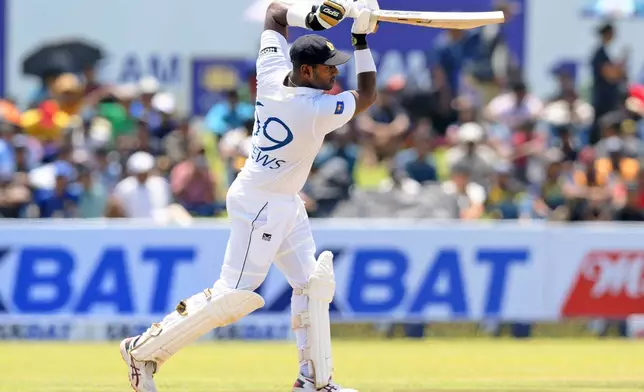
229, 114
417, 163
62, 200
453, 51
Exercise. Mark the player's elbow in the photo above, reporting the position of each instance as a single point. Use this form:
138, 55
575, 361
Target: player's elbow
274, 8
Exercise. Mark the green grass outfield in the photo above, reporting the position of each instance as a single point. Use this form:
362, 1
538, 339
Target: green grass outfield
433, 365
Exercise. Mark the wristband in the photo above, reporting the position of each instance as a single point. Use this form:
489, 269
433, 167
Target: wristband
364, 61
297, 15
359, 41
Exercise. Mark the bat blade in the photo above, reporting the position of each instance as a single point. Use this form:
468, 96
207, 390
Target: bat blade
441, 20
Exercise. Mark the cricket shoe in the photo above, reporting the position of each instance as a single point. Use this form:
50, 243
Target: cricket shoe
304, 384
141, 373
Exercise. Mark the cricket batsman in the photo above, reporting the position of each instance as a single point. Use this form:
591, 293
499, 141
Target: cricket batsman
269, 223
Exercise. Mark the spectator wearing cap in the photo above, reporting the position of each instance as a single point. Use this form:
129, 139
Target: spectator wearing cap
141, 108
471, 152
164, 103
383, 125
142, 194
229, 114
61, 201
470, 196
93, 196
608, 76
193, 184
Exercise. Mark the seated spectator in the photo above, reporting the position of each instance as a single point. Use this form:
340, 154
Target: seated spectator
178, 142
591, 199
164, 104
504, 193
142, 194
339, 144
473, 153
193, 184
514, 108
470, 196
328, 185
141, 107
229, 114
383, 126
417, 163
528, 146
61, 201
547, 197
631, 211
567, 141
93, 196
108, 169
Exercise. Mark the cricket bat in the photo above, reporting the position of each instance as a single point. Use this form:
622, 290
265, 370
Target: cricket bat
441, 20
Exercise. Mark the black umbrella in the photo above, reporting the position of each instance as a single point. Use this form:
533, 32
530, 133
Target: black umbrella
62, 56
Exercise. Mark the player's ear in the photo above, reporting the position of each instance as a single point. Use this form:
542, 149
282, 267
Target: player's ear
306, 71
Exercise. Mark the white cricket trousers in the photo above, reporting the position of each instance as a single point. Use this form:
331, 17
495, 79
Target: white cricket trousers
266, 228
269, 228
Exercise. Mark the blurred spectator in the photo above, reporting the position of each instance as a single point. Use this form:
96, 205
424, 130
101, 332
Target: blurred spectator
229, 114
417, 162
547, 197
178, 142
383, 125
193, 184
142, 194
61, 201
471, 152
504, 193
453, 51
235, 146
433, 105
93, 195
632, 210
608, 76
141, 107
515, 107
470, 196
108, 169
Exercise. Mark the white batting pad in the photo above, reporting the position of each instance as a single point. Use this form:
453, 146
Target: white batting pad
193, 317
320, 291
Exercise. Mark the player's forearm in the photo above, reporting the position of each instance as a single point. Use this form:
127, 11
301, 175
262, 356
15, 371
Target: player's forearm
366, 72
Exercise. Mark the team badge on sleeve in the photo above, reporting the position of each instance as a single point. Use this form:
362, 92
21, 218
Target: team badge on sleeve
339, 107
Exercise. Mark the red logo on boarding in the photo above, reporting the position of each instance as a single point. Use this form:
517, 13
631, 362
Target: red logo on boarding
609, 284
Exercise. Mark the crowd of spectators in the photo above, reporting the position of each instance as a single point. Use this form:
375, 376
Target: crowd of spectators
476, 145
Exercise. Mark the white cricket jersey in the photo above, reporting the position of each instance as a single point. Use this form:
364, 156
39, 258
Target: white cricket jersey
290, 123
